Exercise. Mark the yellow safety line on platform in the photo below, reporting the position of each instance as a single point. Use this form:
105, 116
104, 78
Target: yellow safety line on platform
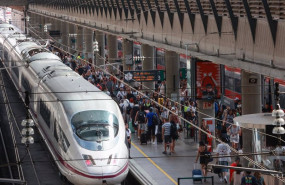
160, 169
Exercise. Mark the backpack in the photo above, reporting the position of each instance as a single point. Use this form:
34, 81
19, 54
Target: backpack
155, 120
121, 109
173, 131
129, 109
141, 117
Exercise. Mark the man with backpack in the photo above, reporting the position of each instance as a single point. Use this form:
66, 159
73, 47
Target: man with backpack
133, 114
140, 118
151, 118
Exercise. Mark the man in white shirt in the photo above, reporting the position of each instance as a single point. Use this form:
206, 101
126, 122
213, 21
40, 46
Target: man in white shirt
223, 149
162, 88
121, 94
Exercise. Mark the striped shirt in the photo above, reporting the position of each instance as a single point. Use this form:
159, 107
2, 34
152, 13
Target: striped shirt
166, 127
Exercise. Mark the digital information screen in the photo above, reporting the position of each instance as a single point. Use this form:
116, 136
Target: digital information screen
142, 76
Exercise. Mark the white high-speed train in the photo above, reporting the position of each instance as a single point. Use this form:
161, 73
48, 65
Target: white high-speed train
81, 125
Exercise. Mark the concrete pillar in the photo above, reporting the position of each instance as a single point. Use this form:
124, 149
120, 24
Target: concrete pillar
71, 44
31, 24
112, 52
64, 35
205, 107
57, 24
127, 51
42, 24
79, 40
88, 37
36, 25
172, 74
148, 64
100, 56
251, 103
53, 23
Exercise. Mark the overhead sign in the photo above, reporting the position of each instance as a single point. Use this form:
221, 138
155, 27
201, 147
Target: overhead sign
143, 76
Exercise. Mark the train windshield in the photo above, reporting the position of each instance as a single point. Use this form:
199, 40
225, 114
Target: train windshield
95, 125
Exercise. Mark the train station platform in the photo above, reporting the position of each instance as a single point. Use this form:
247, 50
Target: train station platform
164, 169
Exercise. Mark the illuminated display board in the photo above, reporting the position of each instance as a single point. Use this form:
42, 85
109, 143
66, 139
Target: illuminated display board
144, 76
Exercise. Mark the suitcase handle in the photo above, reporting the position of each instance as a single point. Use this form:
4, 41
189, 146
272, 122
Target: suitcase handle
195, 166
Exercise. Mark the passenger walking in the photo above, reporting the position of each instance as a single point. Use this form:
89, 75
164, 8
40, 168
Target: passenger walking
173, 131
259, 178
150, 125
236, 176
204, 156
166, 137
128, 133
162, 88
140, 118
134, 112
234, 131
229, 120
234, 164
222, 150
248, 179
203, 136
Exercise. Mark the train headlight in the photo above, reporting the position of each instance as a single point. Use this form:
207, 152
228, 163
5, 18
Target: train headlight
89, 161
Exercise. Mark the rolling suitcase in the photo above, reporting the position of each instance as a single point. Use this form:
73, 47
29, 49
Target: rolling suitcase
159, 133
197, 174
143, 138
159, 138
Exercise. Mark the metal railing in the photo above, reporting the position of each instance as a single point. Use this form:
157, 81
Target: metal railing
195, 178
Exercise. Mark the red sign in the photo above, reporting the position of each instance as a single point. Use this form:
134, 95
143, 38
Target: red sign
208, 80
207, 105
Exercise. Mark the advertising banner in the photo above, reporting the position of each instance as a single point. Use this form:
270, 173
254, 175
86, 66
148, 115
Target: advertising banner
208, 80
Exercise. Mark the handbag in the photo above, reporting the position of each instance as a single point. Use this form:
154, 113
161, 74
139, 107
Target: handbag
208, 157
217, 170
156, 130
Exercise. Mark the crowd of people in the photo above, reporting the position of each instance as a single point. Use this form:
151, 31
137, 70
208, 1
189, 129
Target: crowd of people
151, 116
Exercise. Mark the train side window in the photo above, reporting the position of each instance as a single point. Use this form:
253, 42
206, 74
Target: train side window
60, 137
1, 46
237, 85
55, 131
282, 96
65, 142
45, 113
26, 84
6, 56
16, 72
